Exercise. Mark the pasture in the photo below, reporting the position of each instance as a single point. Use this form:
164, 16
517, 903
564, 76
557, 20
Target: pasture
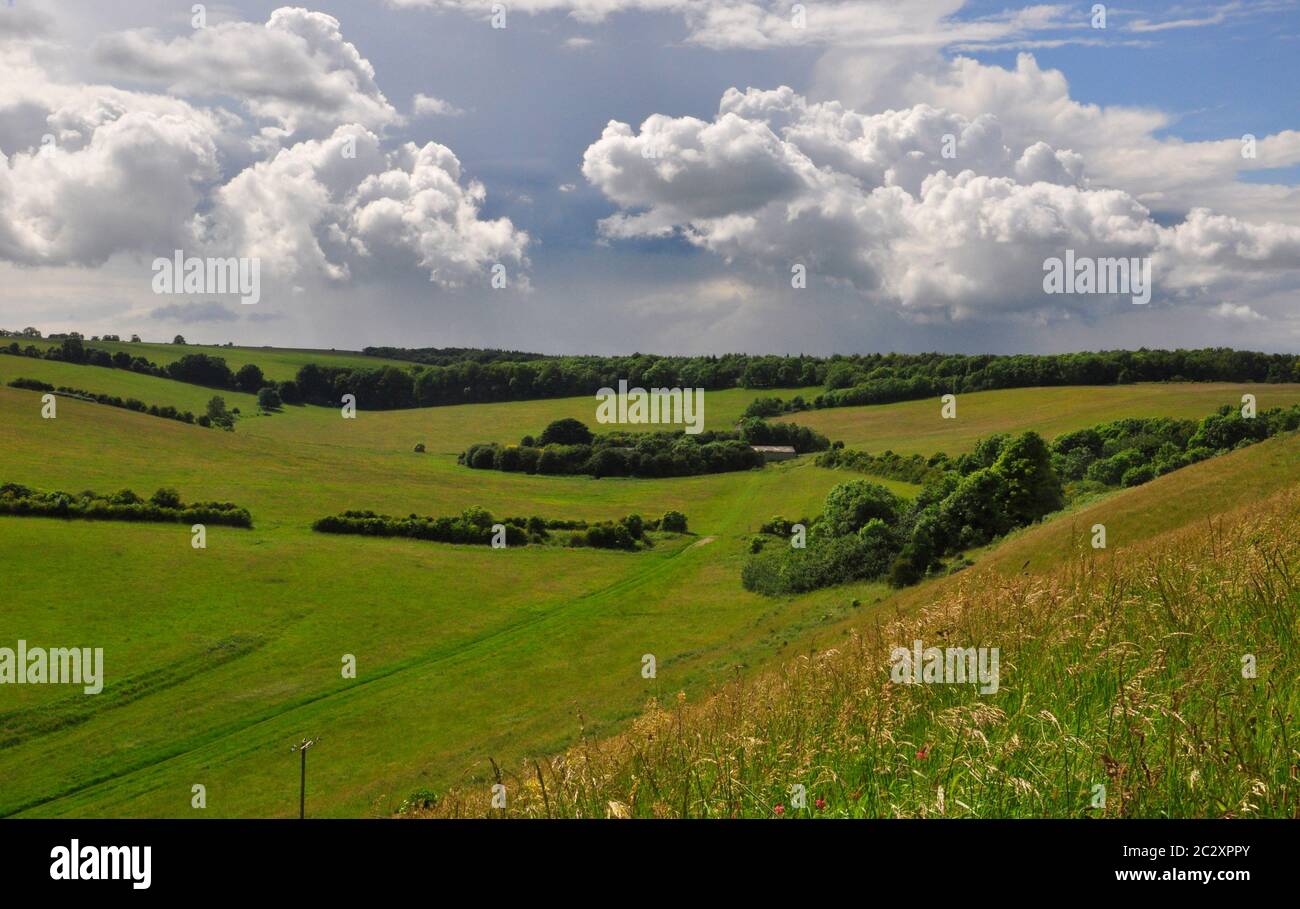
218, 659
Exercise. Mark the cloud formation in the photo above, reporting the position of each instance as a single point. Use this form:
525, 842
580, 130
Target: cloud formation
924, 211
100, 170
342, 206
296, 72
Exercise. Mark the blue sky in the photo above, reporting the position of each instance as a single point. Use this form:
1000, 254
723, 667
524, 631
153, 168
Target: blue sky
1113, 142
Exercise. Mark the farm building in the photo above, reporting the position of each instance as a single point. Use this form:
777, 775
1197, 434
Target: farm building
775, 452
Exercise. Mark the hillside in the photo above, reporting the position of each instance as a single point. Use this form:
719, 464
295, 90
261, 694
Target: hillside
218, 658
916, 426
1121, 693
278, 363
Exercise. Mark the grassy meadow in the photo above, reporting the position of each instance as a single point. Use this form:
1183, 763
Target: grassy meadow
278, 363
1122, 694
217, 660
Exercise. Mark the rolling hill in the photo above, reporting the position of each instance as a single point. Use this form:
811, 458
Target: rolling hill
218, 659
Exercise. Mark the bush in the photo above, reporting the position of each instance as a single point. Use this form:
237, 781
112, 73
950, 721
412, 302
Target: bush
851, 505
1111, 470
249, 378
268, 398
31, 385
673, 522
566, 432
166, 498
1136, 476
903, 573
218, 415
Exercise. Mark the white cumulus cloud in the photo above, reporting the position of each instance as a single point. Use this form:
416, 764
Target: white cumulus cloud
926, 211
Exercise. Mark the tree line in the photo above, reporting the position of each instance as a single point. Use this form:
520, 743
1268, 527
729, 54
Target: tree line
474, 526
867, 532
910, 377
440, 376
568, 447
166, 411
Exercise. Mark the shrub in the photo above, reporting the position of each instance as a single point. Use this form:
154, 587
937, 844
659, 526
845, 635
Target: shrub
31, 385
673, 522
419, 447
268, 398
249, 378
903, 573
1136, 476
851, 505
218, 414
566, 432
166, 498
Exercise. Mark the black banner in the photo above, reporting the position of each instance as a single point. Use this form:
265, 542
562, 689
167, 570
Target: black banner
140, 857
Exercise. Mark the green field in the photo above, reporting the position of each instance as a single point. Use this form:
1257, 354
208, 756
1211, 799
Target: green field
278, 363
218, 660
916, 426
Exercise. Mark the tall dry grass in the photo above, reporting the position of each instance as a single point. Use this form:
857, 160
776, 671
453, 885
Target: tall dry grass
1123, 670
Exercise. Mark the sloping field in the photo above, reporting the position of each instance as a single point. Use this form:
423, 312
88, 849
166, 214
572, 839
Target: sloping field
1161, 680
916, 426
218, 659
458, 648
278, 363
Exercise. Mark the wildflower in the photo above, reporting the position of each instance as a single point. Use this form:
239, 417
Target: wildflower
778, 810
821, 804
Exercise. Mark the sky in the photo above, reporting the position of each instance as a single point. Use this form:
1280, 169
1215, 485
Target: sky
661, 176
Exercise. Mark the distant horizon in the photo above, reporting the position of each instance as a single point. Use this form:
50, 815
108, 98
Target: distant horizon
677, 175
190, 342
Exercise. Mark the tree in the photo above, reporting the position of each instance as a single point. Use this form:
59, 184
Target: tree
566, 432
673, 522
218, 414
249, 378
268, 398
166, 498
849, 506
201, 369
72, 351
135, 339
179, 339
1032, 488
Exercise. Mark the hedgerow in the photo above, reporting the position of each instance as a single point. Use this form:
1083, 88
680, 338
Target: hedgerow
164, 506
